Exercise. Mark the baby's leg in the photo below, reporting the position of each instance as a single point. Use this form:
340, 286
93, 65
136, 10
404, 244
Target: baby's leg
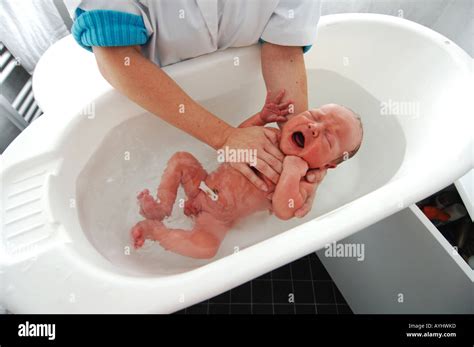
201, 242
182, 168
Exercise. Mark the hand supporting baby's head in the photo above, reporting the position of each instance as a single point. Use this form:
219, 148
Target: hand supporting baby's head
323, 137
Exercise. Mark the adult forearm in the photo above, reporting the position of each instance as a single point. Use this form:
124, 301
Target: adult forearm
143, 82
283, 67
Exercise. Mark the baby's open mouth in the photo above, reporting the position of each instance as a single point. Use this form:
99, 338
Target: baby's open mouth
298, 138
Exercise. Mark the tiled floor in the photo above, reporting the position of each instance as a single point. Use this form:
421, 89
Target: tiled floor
302, 287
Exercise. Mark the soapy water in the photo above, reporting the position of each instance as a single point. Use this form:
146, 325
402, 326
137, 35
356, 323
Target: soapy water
132, 157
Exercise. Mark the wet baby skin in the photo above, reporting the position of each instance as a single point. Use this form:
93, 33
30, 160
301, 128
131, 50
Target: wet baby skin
233, 196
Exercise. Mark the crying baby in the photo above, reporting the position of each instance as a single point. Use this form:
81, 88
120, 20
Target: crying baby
319, 138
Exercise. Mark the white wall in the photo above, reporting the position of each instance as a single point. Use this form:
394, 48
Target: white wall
452, 18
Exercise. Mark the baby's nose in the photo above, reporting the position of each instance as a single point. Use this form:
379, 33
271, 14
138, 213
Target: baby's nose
314, 128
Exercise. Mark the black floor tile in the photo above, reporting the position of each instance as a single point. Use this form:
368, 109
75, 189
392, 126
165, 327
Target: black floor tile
305, 309
262, 309
261, 292
241, 294
326, 309
303, 292
282, 273
302, 287
284, 309
324, 293
301, 270
219, 308
282, 291
241, 309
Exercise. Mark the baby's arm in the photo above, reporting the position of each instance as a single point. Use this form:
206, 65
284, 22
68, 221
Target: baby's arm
290, 193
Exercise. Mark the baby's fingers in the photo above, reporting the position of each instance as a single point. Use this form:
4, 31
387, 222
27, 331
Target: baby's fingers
303, 210
285, 105
271, 118
286, 108
280, 96
316, 175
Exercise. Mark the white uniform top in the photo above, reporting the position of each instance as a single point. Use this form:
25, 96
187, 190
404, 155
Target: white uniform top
183, 29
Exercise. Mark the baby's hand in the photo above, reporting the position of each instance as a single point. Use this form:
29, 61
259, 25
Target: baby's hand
274, 110
295, 163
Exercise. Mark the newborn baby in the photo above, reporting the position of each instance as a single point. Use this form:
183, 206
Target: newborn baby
315, 139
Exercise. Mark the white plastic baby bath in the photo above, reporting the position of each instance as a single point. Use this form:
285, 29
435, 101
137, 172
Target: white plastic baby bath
69, 181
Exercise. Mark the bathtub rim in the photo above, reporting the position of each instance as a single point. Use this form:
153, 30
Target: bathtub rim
463, 59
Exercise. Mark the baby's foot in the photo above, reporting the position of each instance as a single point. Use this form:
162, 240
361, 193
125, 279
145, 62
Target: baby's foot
144, 230
149, 207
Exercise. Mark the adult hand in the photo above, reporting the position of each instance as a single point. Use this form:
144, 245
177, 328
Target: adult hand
269, 157
315, 177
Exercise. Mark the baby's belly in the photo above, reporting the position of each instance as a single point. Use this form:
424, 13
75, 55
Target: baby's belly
237, 197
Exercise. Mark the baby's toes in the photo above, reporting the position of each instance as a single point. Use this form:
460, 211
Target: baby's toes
144, 198
138, 236
143, 193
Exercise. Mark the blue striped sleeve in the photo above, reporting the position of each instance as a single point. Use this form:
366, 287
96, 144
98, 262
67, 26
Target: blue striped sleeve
107, 28
305, 48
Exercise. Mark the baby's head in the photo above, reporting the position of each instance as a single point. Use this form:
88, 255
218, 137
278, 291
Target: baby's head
323, 137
